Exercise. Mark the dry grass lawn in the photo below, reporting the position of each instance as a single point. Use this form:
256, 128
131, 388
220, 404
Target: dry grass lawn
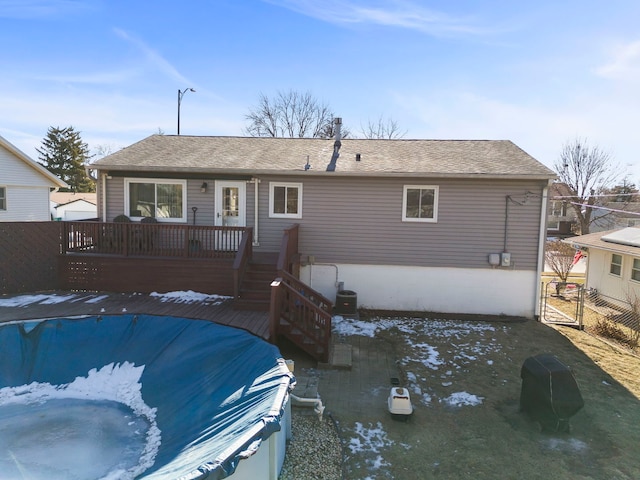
493, 439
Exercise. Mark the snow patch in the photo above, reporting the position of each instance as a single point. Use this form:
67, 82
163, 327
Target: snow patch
189, 296
26, 300
460, 399
113, 382
369, 439
571, 445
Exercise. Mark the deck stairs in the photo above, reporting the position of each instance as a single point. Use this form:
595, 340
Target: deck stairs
303, 340
304, 315
255, 290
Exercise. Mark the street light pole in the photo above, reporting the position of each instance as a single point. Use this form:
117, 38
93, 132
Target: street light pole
180, 95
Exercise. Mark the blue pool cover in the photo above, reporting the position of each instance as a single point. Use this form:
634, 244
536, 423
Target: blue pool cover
216, 391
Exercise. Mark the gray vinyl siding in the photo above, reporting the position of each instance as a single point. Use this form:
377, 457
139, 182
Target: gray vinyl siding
359, 221
205, 202
115, 198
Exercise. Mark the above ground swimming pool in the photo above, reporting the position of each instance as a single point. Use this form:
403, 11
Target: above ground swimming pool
137, 397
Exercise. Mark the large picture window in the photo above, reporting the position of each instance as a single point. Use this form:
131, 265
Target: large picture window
420, 203
285, 200
161, 199
3, 198
616, 265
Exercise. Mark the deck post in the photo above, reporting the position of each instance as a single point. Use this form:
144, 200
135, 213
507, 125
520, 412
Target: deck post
274, 310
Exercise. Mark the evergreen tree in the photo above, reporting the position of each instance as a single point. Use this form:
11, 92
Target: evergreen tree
65, 155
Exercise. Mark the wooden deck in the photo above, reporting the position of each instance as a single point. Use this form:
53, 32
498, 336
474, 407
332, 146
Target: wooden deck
58, 304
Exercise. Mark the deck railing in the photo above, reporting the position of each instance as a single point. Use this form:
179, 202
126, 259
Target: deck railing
288, 249
245, 252
151, 239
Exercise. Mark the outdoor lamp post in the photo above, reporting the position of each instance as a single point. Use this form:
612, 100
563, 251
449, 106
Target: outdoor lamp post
180, 95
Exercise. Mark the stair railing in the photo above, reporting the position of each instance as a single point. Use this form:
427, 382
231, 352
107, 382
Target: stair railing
304, 310
288, 249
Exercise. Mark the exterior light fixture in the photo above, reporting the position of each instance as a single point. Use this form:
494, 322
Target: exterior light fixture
180, 95
203, 187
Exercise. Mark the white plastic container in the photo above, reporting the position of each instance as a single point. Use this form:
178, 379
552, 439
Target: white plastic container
399, 402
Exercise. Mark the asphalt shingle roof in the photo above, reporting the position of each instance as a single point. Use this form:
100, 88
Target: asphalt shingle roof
172, 153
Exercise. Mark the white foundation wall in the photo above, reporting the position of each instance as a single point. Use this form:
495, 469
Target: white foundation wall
448, 290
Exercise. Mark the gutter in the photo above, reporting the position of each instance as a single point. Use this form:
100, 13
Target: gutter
256, 238
238, 173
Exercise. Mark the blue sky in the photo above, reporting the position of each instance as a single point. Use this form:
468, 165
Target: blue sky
537, 73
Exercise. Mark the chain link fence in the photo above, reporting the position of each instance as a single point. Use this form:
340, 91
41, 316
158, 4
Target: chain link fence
573, 305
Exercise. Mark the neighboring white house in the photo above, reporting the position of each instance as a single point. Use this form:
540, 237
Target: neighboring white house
25, 186
73, 206
613, 262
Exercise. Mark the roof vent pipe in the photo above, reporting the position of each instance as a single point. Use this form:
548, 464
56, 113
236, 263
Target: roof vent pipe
336, 145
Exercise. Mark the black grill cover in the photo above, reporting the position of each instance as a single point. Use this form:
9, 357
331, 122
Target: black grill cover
550, 393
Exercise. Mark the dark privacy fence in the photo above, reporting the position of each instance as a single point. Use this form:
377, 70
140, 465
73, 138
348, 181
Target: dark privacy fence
29, 256
37, 256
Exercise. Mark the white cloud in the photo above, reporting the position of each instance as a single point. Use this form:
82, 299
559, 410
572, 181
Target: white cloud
391, 13
108, 117
540, 129
624, 63
153, 57
95, 78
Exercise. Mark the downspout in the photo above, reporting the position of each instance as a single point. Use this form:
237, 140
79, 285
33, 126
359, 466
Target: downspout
104, 197
256, 183
541, 243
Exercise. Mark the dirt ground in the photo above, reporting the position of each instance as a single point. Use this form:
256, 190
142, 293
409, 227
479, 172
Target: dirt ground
491, 438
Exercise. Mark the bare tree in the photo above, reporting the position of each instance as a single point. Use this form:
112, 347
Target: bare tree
559, 256
291, 114
101, 151
586, 171
382, 128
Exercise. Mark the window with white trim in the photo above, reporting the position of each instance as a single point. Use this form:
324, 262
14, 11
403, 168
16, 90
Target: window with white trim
3, 198
285, 200
635, 270
558, 210
616, 265
420, 203
156, 198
